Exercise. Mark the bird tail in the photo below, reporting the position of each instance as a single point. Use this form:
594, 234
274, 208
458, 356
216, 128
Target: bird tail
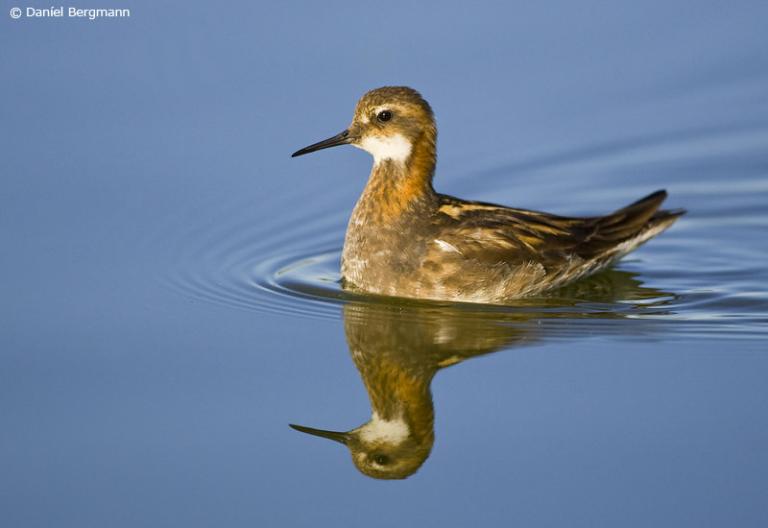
638, 222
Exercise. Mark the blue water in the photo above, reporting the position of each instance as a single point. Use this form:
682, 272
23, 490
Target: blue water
169, 275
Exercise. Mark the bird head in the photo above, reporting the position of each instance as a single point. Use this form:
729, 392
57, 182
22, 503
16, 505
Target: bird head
389, 123
382, 449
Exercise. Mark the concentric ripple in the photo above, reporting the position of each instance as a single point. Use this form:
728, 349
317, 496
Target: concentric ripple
253, 263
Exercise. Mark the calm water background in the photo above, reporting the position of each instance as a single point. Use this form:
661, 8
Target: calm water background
168, 300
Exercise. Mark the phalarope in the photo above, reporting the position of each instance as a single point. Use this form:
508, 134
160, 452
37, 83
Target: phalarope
406, 240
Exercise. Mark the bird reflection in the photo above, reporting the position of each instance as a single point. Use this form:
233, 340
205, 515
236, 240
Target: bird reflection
398, 349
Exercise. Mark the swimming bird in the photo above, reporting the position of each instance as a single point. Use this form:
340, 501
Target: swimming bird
406, 240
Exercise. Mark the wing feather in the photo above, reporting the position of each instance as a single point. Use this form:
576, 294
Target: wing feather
493, 234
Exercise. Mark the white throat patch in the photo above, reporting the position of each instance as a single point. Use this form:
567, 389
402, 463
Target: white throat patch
390, 431
395, 148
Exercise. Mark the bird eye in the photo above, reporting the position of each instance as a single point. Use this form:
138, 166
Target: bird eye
381, 460
384, 115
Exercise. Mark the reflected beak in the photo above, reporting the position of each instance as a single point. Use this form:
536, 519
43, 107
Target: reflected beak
337, 436
335, 141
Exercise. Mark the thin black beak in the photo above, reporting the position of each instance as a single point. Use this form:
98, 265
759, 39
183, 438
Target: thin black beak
335, 141
333, 435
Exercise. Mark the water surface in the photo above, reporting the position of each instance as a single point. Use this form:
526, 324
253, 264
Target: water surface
170, 287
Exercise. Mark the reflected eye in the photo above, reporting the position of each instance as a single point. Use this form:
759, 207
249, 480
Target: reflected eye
384, 115
381, 460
